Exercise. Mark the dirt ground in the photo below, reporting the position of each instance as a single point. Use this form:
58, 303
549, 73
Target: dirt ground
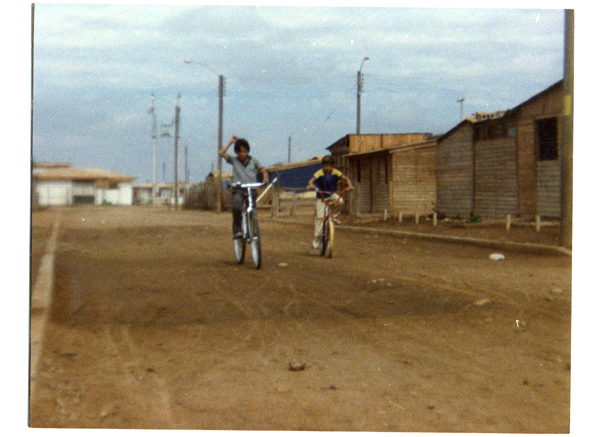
155, 326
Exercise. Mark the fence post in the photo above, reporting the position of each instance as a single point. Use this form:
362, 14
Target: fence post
416, 217
293, 208
400, 217
275, 204
385, 215
435, 219
538, 223
508, 222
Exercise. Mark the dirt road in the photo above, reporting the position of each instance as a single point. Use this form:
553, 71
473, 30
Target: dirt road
154, 325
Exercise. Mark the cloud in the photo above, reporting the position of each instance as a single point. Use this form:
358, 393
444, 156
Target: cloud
288, 71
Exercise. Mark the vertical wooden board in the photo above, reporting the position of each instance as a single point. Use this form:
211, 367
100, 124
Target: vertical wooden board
496, 188
454, 173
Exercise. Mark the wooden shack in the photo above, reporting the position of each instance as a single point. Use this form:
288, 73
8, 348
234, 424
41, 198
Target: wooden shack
398, 179
503, 163
351, 144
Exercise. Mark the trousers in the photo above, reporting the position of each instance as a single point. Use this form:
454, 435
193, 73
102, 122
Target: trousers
320, 212
238, 205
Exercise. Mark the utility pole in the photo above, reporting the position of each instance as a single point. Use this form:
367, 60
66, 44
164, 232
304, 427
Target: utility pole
566, 145
220, 141
289, 150
187, 170
358, 92
153, 113
176, 165
461, 100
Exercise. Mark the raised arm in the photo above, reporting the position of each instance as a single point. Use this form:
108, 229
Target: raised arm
223, 151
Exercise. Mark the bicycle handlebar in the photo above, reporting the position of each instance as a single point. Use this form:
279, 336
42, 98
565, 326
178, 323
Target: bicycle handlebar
341, 193
248, 185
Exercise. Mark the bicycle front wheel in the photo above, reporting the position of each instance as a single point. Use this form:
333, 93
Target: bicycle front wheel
329, 246
255, 240
239, 248
324, 239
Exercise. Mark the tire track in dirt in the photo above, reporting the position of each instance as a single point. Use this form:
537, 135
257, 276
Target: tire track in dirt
143, 384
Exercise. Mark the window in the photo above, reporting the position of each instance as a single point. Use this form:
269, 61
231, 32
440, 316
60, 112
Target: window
547, 139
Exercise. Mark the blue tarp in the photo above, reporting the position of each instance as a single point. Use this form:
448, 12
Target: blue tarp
295, 177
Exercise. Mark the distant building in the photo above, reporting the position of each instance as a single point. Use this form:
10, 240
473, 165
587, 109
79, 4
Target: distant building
59, 184
142, 193
226, 178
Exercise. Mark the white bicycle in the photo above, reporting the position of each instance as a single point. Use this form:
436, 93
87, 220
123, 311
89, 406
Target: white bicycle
250, 230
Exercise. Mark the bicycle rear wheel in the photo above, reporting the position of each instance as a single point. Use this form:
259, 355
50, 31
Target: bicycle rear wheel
255, 240
239, 247
329, 246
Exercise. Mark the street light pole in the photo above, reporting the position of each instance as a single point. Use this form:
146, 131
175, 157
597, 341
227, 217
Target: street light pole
358, 92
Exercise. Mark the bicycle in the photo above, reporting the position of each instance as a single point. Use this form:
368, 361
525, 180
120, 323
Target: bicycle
327, 233
250, 230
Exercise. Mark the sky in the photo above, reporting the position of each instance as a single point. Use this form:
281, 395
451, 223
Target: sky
290, 77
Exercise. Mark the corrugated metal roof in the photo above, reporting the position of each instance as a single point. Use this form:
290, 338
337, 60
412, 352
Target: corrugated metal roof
87, 174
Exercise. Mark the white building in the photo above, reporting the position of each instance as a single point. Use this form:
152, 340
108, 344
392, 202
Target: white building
63, 185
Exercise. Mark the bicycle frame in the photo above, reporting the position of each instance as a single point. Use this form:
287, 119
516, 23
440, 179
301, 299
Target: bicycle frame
327, 230
328, 215
249, 205
250, 232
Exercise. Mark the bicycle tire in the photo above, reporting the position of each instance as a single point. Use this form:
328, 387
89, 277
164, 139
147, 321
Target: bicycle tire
323, 239
255, 240
239, 248
330, 234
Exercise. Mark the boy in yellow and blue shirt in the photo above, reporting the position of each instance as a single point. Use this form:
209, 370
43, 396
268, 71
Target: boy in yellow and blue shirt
326, 181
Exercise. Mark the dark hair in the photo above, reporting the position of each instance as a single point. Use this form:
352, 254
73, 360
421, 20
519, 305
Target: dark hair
327, 160
241, 143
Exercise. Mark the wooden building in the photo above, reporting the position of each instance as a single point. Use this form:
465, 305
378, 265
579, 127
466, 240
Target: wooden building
399, 179
351, 144
503, 163
393, 172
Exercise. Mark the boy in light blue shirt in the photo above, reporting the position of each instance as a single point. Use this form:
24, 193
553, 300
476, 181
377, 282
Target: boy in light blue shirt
245, 171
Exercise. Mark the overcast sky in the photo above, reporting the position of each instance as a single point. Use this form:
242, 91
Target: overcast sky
290, 72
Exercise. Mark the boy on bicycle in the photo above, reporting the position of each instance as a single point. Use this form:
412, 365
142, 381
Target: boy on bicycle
326, 180
245, 171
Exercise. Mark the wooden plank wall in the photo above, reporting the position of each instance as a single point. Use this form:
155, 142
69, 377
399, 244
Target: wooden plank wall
372, 143
496, 186
373, 195
548, 188
381, 187
414, 185
454, 173
363, 187
526, 167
